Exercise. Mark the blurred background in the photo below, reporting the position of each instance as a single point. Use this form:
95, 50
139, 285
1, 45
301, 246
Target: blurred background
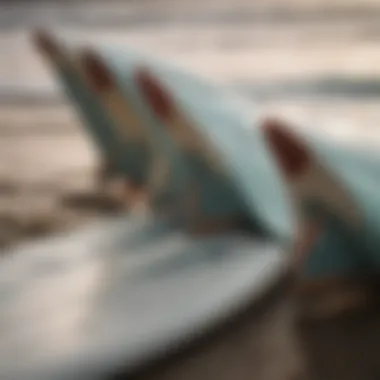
313, 60
316, 61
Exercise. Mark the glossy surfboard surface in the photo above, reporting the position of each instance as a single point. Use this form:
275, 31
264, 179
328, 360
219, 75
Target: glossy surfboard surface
121, 293
226, 123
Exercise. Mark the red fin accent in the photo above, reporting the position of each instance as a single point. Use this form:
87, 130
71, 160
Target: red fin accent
155, 93
291, 152
97, 72
45, 43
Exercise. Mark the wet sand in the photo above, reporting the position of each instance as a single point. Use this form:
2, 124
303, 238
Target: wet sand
45, 160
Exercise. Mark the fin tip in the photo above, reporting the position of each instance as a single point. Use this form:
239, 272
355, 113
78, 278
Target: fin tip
154, 92
97, 71
290, 152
